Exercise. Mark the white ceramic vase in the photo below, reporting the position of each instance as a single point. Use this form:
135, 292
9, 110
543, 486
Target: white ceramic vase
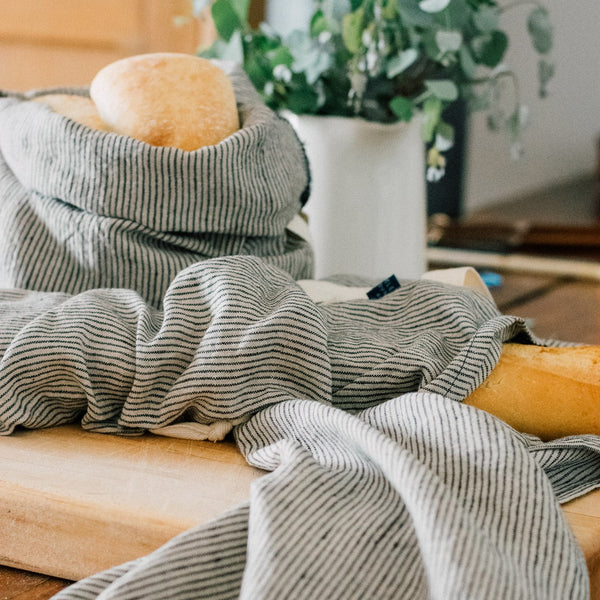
367, 209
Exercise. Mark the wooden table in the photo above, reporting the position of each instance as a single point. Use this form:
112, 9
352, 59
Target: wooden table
558, 308
568, 310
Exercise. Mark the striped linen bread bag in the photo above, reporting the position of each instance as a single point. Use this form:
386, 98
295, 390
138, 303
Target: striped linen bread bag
83, 209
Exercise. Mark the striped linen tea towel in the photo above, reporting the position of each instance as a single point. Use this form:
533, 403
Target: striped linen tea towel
383, 484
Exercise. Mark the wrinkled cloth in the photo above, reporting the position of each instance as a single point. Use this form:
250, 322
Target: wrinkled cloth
418, 498
83, 209
382, 484
235, 335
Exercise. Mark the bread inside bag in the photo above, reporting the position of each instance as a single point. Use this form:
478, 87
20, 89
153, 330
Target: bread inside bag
167, 99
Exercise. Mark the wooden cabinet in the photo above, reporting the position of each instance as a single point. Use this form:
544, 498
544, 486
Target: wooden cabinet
46, 43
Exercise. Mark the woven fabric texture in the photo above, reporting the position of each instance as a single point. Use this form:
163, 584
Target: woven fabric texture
383, 484
83, 209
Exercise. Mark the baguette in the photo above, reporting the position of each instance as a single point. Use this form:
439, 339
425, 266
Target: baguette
548, 392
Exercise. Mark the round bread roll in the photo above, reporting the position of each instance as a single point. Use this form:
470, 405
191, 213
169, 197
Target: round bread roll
167, 99
79, 108
549, 392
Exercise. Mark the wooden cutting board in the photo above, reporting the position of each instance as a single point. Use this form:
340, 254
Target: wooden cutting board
74, 503
583, 514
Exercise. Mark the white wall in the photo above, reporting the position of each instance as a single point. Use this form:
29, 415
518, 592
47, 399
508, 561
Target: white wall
560, 141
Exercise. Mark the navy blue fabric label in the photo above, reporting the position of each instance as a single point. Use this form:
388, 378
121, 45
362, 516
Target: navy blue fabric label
384, 288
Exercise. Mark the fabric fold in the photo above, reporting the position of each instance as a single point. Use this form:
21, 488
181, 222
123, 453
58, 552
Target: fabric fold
420, 497
83, 209
235, 335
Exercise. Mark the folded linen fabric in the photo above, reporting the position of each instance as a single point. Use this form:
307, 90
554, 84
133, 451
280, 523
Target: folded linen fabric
83, 209
235, 335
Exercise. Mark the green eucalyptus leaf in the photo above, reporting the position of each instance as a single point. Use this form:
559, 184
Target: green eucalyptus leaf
489, 49
227, 50
280, 56
258, 73
299, 42
241, 8
433, 6
448, 41
429, 44
268, 31
545, 74
457, 15
467, 64
323, 18
302, 100
352, 30
225, 18
402, 108
432, 112
389, 10
399, 63
444, 89
262, 41
540, 30
320, 64
308, 56
444, 136
412, 15
486, 18
318, 24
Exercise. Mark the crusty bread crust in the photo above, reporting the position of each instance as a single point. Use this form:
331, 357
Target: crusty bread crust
167, 99
549, 392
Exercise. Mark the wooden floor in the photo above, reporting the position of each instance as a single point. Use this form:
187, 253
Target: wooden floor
20, 585
555, 307
558, 306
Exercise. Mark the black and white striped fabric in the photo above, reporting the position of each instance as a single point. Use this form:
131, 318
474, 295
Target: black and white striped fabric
418, 498
83, 209
235, 335
383, 484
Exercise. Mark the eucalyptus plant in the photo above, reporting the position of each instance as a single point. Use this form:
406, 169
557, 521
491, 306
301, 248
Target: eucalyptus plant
386, 60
